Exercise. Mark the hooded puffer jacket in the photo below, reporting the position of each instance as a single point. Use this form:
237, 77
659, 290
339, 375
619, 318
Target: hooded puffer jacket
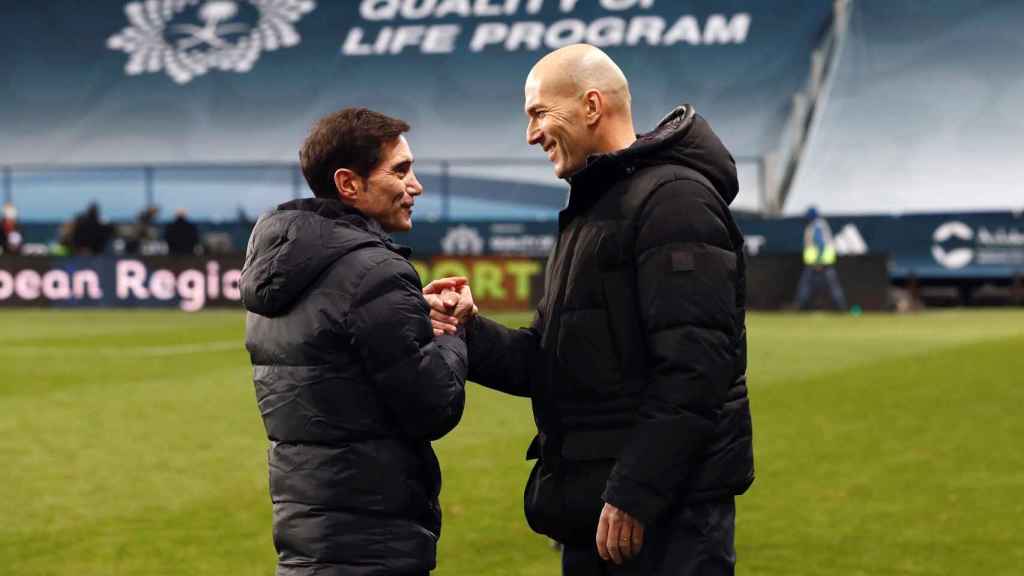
636, 360
352, 386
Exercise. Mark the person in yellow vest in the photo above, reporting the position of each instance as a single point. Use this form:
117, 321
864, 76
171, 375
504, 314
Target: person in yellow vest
819, 262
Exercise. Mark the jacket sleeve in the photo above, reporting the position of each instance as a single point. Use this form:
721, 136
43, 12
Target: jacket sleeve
686, 274
501, 358
419, 377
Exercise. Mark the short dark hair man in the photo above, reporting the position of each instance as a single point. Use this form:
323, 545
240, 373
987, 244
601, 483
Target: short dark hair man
351, 382
636, 360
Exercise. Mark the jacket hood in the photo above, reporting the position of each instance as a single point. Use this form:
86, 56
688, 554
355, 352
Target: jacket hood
291, 246
682, 137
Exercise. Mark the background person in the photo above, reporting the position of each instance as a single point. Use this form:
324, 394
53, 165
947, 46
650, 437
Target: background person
10, 236
88, 233
181, 235
819, 262
144, 230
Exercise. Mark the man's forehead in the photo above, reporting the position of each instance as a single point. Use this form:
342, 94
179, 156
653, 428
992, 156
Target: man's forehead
394, 153
532, 93
543, 88
401, 151
403, 146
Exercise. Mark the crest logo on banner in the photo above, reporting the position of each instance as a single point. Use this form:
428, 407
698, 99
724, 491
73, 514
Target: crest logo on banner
215, 37
957, 257
462, 239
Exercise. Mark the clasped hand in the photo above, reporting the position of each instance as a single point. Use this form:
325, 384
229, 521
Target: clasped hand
451, 304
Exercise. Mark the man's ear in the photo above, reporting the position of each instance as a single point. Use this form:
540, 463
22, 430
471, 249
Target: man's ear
349, 185
593, 106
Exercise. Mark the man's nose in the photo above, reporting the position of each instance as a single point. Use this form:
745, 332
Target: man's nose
533, 134
414, 187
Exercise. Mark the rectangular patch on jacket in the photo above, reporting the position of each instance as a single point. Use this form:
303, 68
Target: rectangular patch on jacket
682, 261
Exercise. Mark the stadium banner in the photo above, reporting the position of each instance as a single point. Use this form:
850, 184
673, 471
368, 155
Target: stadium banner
534, 239
195, 283
188, 283
498, 283
217, 81
941, 246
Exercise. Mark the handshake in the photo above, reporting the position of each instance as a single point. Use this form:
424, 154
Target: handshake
451, 304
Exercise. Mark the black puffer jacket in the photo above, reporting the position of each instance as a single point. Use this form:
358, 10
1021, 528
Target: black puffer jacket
636, 361
352, 386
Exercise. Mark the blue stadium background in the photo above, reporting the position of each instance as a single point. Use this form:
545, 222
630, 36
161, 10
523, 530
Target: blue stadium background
895, 117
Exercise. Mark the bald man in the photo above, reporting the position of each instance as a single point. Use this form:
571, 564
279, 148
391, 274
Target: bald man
636, 358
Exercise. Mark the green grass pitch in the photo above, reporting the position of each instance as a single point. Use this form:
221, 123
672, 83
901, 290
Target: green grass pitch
131, 444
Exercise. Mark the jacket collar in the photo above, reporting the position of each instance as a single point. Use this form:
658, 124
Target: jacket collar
374, 227
334, 209
602, 171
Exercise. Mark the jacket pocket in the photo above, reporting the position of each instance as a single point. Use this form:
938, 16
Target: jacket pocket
566, 504
542, 502
588, 457
565, 501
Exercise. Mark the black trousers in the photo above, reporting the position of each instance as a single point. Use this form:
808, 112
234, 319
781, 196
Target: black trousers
693, 540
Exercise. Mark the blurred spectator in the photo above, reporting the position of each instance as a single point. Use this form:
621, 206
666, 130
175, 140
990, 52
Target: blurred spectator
88, 233
10, 237
819, 262
181, 235
65, 238
142, 231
